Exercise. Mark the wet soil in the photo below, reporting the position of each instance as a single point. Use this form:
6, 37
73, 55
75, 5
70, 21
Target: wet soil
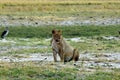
37, 21
86, 60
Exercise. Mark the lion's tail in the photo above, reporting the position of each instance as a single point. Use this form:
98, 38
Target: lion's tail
75, 55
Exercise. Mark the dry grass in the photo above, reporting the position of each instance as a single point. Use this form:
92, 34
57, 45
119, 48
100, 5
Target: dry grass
60, 7
59, 1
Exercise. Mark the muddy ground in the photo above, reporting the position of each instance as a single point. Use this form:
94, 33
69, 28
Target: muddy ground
88, 61
40, 21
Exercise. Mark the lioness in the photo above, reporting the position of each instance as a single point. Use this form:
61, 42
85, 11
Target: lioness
62, 48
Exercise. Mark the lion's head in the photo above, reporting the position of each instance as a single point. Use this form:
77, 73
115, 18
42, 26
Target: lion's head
57, 35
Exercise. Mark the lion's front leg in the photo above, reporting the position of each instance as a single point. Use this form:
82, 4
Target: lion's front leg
61, 54
62, 57
55, 55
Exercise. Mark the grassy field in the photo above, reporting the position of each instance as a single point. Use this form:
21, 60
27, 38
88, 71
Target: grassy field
23, 71
28, 40
68, 31
23, 41
61, 8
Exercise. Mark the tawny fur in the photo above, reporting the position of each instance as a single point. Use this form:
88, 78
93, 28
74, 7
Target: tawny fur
62, 48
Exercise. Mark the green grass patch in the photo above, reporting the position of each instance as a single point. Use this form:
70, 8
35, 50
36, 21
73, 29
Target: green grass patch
68, 31
30, 51
23, 71
36, 37
104, 76
31, 72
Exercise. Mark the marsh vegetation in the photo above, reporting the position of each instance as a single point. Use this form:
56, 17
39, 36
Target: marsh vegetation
91, 26
24, 54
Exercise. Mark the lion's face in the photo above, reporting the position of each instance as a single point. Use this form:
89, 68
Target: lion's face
56, 35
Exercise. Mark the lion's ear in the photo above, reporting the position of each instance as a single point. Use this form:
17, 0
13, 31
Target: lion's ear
60, 31
53, 31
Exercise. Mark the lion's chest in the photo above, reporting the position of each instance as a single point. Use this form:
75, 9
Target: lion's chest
55, 46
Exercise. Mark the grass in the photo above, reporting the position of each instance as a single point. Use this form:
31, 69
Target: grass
78, 8
31, 72
31, 40
68, 31
104, 76
49, 70
23, 71
34, 39
37, 45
